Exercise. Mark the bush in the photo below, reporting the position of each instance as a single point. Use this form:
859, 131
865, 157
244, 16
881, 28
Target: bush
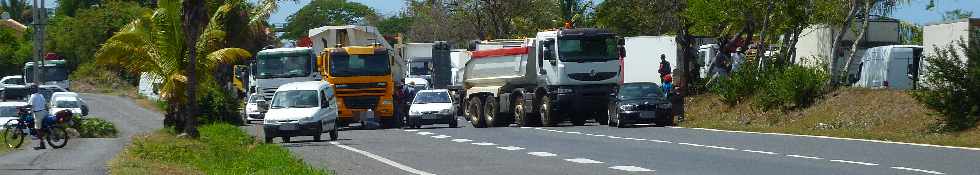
791, 87
218, 107
221, 149
91, 127
953, 87
739, 86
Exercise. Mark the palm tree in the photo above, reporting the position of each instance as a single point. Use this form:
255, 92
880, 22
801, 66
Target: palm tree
156, 43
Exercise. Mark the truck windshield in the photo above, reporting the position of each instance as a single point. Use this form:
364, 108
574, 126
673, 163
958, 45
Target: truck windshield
359, 65
431, 97
295, 99
419, 68
282, 65
51, 73
587, 49
640, 91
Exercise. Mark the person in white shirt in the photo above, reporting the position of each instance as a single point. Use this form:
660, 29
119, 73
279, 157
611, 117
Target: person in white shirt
39, 109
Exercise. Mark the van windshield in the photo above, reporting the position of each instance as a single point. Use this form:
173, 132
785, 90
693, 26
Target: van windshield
295, 99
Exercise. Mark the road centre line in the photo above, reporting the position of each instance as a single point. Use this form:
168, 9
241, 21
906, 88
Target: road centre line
383, 160
719, 147
425, 133
855, 162
542, 154
461, 140
510, 148
410, 130
441, 136
918, 170
583, 160
805, 157
761, 152
485, 144
828, 137
691, 144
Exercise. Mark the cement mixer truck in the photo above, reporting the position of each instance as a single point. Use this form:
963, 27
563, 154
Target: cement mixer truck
560, 75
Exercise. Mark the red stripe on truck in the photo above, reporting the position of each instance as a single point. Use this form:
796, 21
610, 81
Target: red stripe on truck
499, 52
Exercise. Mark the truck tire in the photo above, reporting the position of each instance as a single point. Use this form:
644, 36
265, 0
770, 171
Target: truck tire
493, 118
611, 115
520, 114
475, 111
548, 116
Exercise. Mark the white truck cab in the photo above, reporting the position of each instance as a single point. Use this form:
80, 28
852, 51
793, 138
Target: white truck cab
301, 109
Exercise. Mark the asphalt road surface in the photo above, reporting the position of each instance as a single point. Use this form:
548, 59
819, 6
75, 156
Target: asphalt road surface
85, 156
604, 150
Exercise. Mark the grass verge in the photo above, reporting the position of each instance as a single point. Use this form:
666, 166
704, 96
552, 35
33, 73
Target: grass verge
221, 149
852, 113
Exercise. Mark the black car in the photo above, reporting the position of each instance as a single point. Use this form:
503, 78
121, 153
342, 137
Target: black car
634, 103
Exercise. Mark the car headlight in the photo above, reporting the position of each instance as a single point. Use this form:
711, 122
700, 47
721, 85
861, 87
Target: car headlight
444, 111
386, 102
306, 119
627, 107
563, 90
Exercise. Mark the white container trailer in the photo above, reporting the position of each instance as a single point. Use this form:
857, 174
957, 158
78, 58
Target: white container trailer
890, 67
642, 61
419, 59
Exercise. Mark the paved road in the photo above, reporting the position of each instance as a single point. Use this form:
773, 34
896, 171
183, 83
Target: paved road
85, 156
604, 150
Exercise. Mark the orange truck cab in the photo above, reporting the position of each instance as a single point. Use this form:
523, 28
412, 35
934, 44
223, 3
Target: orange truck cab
365, 78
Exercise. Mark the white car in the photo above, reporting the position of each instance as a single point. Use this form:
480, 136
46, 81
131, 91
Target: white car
73, 104
431, 107
12, 87
301, 109
82, 110
8, 111
252, 110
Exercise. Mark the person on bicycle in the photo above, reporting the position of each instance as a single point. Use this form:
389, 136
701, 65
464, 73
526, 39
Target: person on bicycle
39, 110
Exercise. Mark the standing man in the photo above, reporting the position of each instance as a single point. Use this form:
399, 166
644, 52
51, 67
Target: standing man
39, 109
664, 68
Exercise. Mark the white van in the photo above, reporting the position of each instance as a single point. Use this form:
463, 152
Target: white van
301, 109
891, 67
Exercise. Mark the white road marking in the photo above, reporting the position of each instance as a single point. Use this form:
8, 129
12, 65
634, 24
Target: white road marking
441, 136
510, 148
485, 144
589, 134
640, 139
691, 144
629, 138
599, 135
661, 141
411, 130
425, 133
542, 154
461, 140
761, 152
854, 162
630, 168
918, 170
582, 160
383, 160
805, 157
613, 137
828, 137
719, 147
525, 127
576, 132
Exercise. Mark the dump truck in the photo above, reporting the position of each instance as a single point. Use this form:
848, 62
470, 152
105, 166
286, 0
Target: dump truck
364, 70
559, 75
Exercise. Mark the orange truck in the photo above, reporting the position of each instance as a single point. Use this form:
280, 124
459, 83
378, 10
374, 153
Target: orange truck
363, 69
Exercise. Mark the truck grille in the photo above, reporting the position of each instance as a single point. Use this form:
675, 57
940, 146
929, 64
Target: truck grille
359, 86
598, 76
365, 102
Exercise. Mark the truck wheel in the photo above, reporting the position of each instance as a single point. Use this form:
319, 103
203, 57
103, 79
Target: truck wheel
490, 113
548, 118
520, 114
610, 113
475, 111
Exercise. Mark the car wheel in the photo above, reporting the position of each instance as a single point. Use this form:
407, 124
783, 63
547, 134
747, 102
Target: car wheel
285, 139
319, 131
334, 134
548, 118
620, 123
475, 111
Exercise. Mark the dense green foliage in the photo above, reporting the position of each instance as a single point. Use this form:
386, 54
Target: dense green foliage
221, 149
218, 107
15, 49
784, 88
953, 86
78, 38
639, 17
327, 13
93, 127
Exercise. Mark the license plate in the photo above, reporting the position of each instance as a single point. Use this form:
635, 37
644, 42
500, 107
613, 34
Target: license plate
287, 127
648, 114
430, 116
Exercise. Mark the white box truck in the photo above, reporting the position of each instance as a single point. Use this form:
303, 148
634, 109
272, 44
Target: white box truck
642, 61
558, 75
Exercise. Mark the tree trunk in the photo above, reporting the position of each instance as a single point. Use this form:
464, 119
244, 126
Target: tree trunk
194, 18
837, 38
857, 41
762, 48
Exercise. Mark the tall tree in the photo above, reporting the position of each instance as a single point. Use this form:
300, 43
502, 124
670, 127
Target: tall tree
641, 17
327, 13
18, 10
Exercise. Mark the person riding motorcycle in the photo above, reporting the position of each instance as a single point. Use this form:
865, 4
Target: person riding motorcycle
39, 109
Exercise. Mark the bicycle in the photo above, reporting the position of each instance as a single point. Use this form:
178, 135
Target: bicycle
15, 130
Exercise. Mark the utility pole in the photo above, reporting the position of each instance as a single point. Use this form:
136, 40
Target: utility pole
40, 15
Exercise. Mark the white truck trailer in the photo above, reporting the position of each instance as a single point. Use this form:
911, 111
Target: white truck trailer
642, 61
559, 75
419, 58
891, 67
